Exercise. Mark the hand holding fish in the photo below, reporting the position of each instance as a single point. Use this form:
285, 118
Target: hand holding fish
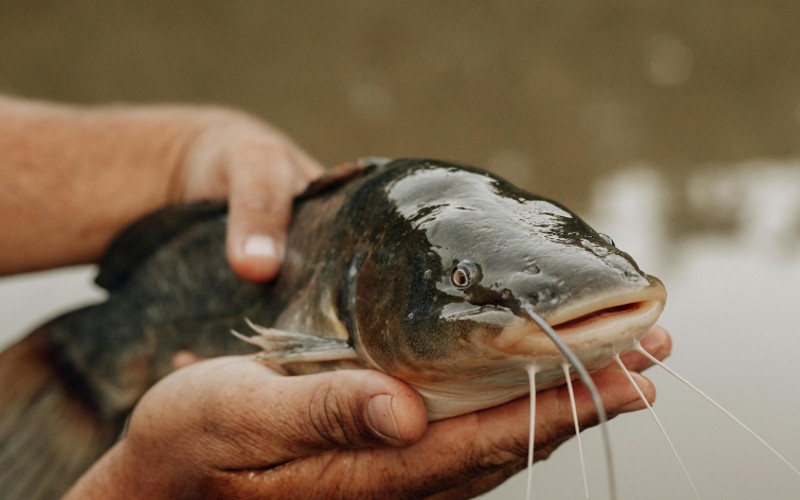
258, 171
230, 428
74, 177
465, 289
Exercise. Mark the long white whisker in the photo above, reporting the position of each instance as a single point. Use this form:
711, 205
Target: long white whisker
565, 368
660, 426
532, 378
672, 372
602, 417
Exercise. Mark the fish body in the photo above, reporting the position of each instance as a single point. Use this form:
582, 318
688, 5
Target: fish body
385, 283
416, 268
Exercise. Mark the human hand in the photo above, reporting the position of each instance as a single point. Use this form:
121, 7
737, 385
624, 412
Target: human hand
231, 428
84, 174
258, 170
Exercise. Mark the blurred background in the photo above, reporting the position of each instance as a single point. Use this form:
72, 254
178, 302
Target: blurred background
672, 126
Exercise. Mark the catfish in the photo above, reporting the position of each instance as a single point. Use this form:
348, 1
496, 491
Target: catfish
442, 275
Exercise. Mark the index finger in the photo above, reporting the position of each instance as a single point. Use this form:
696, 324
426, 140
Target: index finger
264, 177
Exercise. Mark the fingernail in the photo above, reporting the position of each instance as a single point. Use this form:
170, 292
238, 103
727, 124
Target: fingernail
259, 245
381, 418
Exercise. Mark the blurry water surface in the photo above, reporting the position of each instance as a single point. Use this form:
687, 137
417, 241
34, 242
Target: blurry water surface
734, 313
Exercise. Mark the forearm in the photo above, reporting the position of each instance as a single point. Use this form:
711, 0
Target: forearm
73, 177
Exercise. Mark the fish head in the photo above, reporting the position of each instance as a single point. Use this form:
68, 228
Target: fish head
444, 296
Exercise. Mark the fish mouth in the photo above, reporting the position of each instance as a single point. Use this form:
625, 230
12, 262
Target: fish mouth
585, 321
632, 303
596, 329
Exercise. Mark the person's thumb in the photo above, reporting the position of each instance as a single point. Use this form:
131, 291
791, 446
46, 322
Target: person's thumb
252, 417
351, 409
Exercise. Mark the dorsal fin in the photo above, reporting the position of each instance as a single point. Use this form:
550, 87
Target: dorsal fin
338, 176
144, 237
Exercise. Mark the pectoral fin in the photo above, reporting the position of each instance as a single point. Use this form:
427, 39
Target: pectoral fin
288, 347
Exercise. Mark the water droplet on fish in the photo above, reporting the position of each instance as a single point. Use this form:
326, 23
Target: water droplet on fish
598, 250
606, 238
531, 267
634, 277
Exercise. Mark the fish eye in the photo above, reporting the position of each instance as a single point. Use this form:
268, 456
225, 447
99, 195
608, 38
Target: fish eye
607, 239
465, 274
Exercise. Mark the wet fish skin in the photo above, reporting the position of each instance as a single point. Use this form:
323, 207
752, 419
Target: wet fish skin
368, 264
404, 227
181, 296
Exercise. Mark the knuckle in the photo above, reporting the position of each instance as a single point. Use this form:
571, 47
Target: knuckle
492, 452
499, 456
544, 452
332, 417
253, 148
237, 143
257, 204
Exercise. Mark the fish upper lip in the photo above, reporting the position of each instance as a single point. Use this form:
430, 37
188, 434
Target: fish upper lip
624, 302
594, 330
577, 323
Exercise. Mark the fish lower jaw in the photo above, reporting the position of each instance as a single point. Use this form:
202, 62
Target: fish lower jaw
595, 338
499, 375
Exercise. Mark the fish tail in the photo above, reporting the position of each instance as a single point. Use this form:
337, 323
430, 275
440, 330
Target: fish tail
50, 431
